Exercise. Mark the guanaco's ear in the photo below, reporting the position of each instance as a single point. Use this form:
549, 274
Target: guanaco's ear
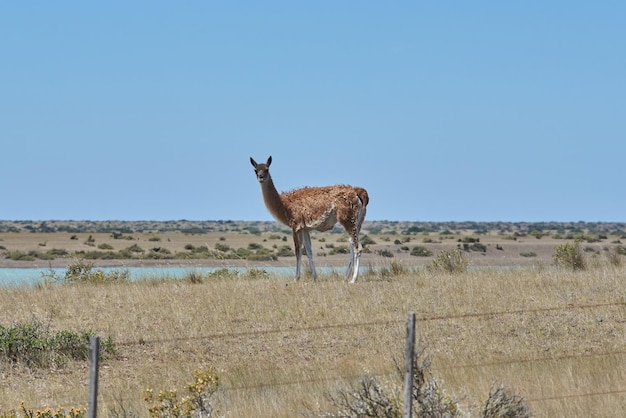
254, 164
269, 161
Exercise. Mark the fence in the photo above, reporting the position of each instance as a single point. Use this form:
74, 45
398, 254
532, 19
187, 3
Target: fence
410, 339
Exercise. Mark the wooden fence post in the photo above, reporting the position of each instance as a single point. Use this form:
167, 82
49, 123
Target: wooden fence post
409, 353
94, 355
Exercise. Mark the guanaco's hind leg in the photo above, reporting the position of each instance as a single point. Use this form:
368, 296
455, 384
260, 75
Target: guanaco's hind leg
306, 239
297, 243
301, 238
355, 243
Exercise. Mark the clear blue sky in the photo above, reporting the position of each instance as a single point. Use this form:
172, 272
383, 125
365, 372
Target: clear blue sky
443, 110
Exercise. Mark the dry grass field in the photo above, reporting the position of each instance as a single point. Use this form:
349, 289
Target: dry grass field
557, 337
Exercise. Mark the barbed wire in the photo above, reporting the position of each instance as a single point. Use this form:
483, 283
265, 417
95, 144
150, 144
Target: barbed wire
423, 318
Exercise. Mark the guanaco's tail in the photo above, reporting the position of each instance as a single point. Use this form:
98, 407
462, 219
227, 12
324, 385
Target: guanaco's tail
362, 194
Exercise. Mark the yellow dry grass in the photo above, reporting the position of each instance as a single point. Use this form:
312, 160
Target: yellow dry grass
557, 337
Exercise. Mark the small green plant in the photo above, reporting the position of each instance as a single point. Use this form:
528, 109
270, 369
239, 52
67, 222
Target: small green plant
197, 402
222, 247
341, 249
570, 256
449, 262
420, 251
284, 251
385, 253
367, 240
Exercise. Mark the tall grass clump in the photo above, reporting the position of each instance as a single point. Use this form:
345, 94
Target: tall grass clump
570, 256
449, 262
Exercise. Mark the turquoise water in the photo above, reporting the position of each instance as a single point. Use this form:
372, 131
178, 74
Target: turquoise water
11, 277
31, 276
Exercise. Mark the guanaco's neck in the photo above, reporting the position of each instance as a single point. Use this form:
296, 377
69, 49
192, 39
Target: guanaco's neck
274, 202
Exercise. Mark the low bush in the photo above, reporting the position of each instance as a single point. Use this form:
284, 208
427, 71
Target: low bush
570, 256
367, 240
504, 403
82, 271
341, 249
33, 344
528, 254
284, 251
385, 253
449, 262
369, 398
420, 251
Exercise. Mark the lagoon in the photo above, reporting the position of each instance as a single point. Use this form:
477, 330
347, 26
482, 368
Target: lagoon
20, 277
17, 277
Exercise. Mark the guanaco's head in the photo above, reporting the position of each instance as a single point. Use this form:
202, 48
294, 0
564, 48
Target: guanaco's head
261, 170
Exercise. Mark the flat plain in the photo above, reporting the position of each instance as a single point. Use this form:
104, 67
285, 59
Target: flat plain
555, 336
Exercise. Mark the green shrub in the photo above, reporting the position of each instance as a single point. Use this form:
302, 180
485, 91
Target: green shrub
222, 247
284, 251
22, 256
35, 345
385, 253
135, 249
341, 249
105, 247
82, 271
569, 255
243, 253
449, 262
159, 253
420, 251
262, 254
366, 240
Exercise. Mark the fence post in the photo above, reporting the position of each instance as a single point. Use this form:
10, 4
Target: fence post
94, 354
409, 353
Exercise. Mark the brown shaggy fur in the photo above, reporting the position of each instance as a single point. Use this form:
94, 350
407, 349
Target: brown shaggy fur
316, 208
